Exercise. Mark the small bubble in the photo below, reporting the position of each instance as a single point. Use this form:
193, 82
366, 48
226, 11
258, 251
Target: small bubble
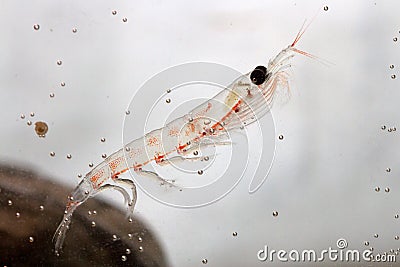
114, 238
275, 213
103, 139
22, 116
94, 212
383, 127
326, 8
395, 39
366, 243
52, 153
69, 156
93, 224
29, 123
128, 251
9, 202
36, 27
127, 112
371, 249
388, 170
196, 153
234, 233
391, 66
123, 258
207, 121
206, 158
204, 261
41, 207
130, 220
141, 249
90, 165
376, 235
124, 19
59, 62
114, 12
168, 100
390, 130
200, 172
377, 189
104, 156
31, 239
393, 76
280, 137
62, 84
18, 214
127, 149
394, 129
74, 30
140, 239
79, 175
89, 212
130, 236
52, 95
169, 91
387, 189
396, 237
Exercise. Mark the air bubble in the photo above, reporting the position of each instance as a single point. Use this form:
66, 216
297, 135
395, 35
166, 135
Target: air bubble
104, 156
90, 164
391, 66
124, 19
396, 216
114, 12
383, 127
275, 213
388, 170
200, 172
376, 235
196, 153
168, 100
387, 189
377, 189
396, 237
69, 156
36, 27
127, 149
114, 238
9, 202
103, 139
22, 116
366, 243
59, 62
128, 251
123, 258
31, 239
41, 207
18, 214
130, 236
234, 233
79, 175
169, 91
74, 30
93, 224
390, 130
206, 158
52, 95
62, 84
207, 122
393, 76
141, 249
280, 137
326, 8
204, 261
140, 239
29, 123
395, 39
52, 153
94, 212
127, 112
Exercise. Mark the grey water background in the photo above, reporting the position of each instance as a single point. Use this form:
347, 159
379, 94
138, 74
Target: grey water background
333, 154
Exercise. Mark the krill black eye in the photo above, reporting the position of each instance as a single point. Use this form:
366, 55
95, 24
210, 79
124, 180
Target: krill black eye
258, 75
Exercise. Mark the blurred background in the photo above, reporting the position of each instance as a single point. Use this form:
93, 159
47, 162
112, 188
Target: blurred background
75, 66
